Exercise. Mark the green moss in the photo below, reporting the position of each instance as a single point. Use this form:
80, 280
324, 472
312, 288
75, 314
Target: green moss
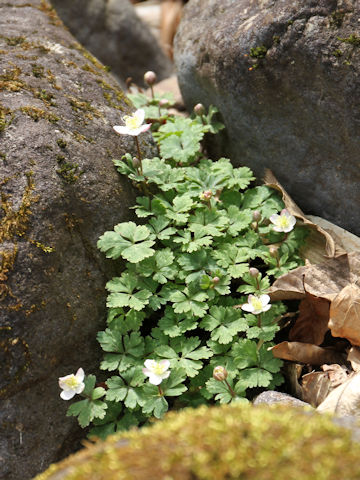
258, 52
221, 443
353, 40
83, 106
68, 171
337, 53
36, 114
114, 96
88, 68
50, 12
89, 57
10, 81
38, 70
61, 142
14, 41
2, 155
46, 97
336, 18
6, 117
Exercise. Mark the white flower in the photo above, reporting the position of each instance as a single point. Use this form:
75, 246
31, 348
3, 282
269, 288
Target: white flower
283, 222
72, 384
133, 124
256, 304
156, 371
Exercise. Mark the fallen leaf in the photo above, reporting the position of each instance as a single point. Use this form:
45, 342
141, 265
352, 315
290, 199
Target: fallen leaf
344, 239
312, 322
316, 386
170, 17
354, 358
325, 280
345, 314
338, 374
306, 353
345, 399
325, 242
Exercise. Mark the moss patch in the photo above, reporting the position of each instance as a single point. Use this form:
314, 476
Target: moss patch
353, 40
37, 113
221, 443
68, 171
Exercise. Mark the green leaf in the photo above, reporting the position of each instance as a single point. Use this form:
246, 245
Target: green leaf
126, 292
127, 388
244, 353
190, 299
175, 325
239, 220
87, 410
126, 350
156, 405
128, 241
159, 226
160, 266
224, 323
222, 392
253, 377
184, 353
213, 223
147, 207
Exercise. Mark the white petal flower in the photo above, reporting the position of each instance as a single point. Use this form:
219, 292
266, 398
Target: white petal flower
256, 304
283, 222
133, 124
72, 384
156, 371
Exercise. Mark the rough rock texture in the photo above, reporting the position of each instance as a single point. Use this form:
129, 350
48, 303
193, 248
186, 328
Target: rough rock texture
285, 76
270, 397
111, 30
59, 192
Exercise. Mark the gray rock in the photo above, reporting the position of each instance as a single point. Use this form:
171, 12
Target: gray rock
285, 76
113, 32
270, 397
59, 192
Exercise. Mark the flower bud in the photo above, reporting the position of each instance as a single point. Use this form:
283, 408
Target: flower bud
136, 162
163, 102
199, 109
254, 225
215, 280
150, 78
273, 251
256, 215
220, 373
254, 272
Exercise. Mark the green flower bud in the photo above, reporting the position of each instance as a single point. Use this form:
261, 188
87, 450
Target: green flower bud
256, 215
220, 373
215, 280
273, 251
199, 109
254, 272
136, 162
150, 78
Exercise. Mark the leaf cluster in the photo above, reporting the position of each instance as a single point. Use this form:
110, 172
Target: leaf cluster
187, 267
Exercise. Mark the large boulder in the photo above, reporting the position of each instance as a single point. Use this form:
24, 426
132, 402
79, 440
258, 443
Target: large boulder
59, 192
114, 33
286, 78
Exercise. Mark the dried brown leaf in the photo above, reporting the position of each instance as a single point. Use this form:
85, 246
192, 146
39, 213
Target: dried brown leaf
345, 314
316, 386
312, 323
325, 280
326, 244
344, 239
338, 374
306, 353
345, 399
354, 358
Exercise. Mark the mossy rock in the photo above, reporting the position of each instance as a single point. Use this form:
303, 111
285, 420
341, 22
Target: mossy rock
218, 443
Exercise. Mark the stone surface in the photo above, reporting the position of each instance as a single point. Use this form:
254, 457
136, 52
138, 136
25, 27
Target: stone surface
285, 76
59, 192
111, 30
270, 397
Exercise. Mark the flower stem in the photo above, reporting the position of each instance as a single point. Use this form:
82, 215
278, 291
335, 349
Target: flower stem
233, 394
161, 393
139, 153
259, 320
259, 344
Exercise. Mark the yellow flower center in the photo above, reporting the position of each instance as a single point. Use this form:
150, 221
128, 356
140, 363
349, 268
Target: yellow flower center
256, 303
283, 221
72, 382
132, 122
159, 369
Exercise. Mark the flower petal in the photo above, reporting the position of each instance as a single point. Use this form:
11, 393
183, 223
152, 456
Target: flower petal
80, 375
140, 115
121, 129
165, 364
150, 364
67, 394
155, 379
264, 299
247, 307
